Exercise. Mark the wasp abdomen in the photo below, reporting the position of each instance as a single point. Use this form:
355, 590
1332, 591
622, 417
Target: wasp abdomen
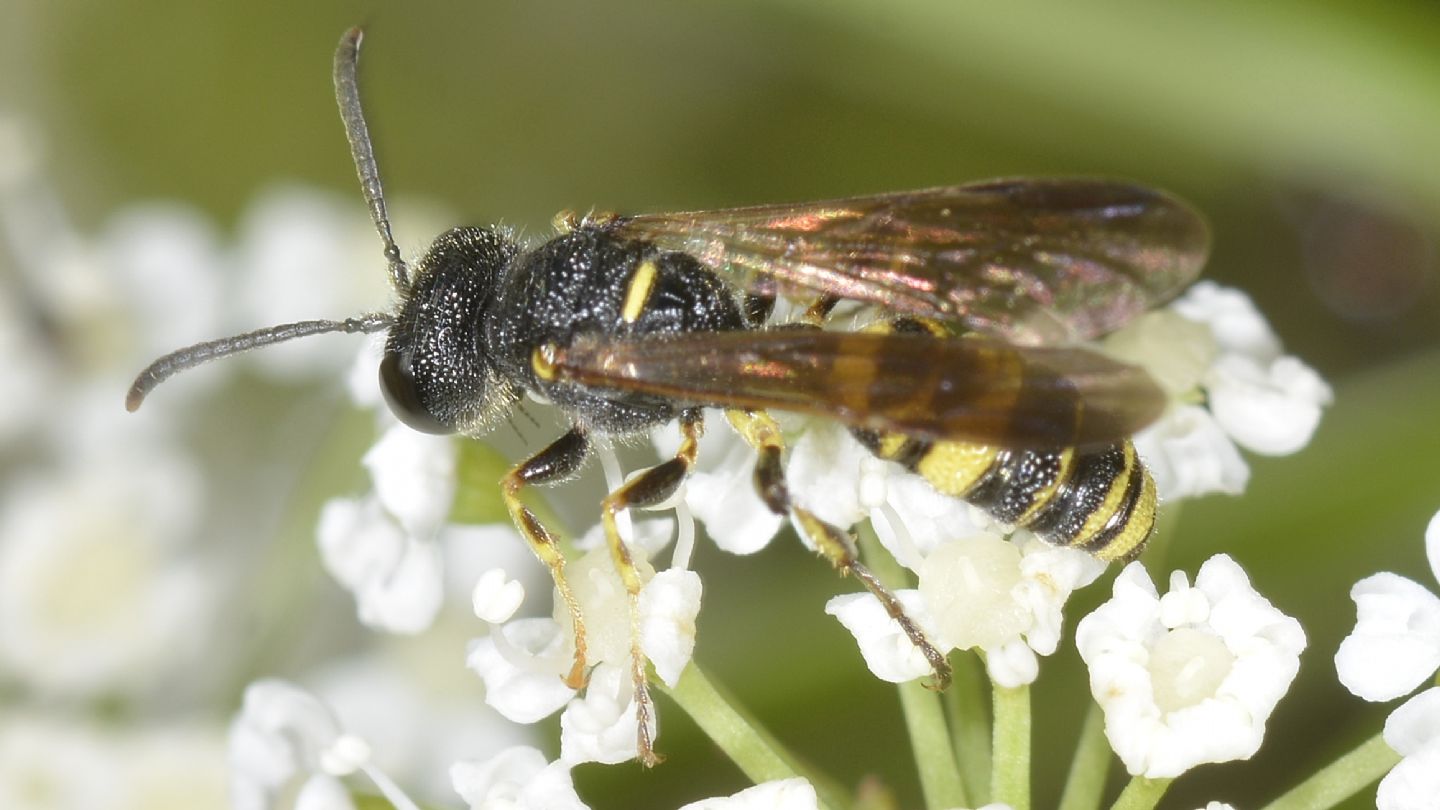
1100, 500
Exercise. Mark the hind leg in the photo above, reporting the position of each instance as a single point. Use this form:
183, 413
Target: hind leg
834, 544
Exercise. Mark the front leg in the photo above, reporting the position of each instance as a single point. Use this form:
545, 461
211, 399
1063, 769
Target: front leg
646, 489
555, 463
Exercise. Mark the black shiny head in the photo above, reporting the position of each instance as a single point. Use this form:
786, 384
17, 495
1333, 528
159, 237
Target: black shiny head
437, 375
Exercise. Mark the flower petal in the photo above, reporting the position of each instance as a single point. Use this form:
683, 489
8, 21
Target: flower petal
1395, 645
601, 726
1270, 409
522, 664
1413, 784
669, 604
887, 651
516, 779
1415, 725
1432, 545
1189, 455
414, 477
779, 794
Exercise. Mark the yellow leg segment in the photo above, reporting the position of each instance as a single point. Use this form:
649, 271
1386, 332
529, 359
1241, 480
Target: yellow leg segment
649, 487
555, 462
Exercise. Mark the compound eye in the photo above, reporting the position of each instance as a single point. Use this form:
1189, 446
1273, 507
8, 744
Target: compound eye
397, 382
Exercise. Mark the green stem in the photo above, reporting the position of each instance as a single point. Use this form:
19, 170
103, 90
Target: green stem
969, 713
1010, 774
924, 714
758, 754
1340, 779
1085, 784
1141, 794
930, 741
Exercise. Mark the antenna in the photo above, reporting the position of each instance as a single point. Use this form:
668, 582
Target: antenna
191, 356
347, 95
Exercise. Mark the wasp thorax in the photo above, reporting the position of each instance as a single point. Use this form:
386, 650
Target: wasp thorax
436, 375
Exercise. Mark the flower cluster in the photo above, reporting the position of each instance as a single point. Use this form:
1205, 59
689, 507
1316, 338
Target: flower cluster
1230, 383
1394, 648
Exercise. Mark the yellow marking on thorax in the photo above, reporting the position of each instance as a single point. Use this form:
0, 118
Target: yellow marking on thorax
638, 291
542, 361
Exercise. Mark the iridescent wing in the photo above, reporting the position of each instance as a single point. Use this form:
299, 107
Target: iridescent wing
974, 389
1034, 261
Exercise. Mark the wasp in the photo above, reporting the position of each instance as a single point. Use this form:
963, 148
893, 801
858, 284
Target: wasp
972, 378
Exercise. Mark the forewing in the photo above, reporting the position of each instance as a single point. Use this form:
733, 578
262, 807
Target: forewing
1033, 260
970, 389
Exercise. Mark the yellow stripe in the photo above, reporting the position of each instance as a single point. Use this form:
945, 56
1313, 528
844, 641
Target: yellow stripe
1114, 499
641, 285
954, 467
1137, 528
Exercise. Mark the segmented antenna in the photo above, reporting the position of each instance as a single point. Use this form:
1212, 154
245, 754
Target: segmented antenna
347, 94
191, 356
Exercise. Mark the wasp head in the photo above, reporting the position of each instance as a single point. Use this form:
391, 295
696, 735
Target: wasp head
437, 375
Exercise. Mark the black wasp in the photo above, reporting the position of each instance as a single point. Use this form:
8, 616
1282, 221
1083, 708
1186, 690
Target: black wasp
626, 323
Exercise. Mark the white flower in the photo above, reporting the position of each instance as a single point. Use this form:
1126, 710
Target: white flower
385, 548
1253, 395
496, 596
396, 579
1395, 645
1188, 454
1190, 677
601, 725
720, 490
979, 591
98, 590
56, 762
888, 652
778, 794
516, 779
669, 605
1394, 648
418, 719
1413, 730
836, 478
284, 736
523, 663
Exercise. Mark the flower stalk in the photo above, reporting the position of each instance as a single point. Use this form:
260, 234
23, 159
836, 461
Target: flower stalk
1010, 771
969, 715
1340, 779
1085, 784
930, 738
758, 755
1142, 793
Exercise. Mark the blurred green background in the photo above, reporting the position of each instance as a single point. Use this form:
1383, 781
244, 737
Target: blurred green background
1307, 131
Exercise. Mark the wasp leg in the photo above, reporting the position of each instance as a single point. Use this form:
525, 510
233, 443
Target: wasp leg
834, 544
646, 489
819, 310
555, 463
